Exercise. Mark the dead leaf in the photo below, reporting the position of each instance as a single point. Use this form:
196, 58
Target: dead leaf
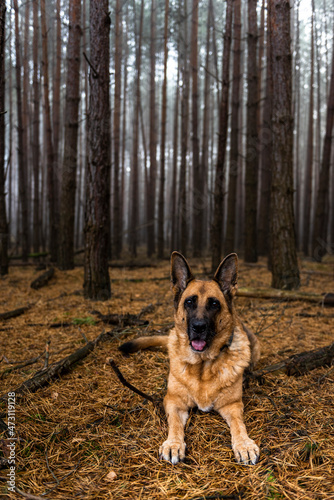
111, 476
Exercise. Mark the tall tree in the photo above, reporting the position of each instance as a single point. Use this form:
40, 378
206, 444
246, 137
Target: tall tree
234, 151
51, 175
153, 140
319, 239
97, 218
182, 207
56, 100
117, 131
197, 194
217, 224
309, 156
3, 214
23, 176
161, 208
134, 215
251, 180
69, 171
285, 272
35, 132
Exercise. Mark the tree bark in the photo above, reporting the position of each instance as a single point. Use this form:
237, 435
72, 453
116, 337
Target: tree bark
51, 174
234, 152
252, 143
117, 130
3, 214
35, 133
97, 218
134, 215
308, 172
285, 272
319, 241
22, 164
197, 192
161, 208
153, 140
217, 224
69, 172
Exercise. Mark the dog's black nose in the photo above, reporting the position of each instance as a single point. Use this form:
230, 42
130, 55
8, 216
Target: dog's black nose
198, 326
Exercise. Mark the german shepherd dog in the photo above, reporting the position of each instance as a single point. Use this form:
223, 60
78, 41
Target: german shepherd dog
209, 349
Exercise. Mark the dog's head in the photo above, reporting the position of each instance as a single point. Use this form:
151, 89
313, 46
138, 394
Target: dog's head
204, 309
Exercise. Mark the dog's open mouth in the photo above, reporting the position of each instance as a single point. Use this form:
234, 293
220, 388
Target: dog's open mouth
198, 345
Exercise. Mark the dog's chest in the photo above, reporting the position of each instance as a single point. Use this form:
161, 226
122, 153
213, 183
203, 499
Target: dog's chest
203, 386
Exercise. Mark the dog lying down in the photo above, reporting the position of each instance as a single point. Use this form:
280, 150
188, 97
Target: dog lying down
209, 349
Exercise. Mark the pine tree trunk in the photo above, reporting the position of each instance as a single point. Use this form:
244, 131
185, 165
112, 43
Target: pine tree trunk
153, 141
124, 126
182, 208
3, 214
217, 224
23, 177
56, 99
117, 131
51, 176
197, 193
285, 272
97, 215
134, 215
319, 241
161, 208
252, 143
175, 156
35, 133
309, 157
234, 152
265, 163
69, 172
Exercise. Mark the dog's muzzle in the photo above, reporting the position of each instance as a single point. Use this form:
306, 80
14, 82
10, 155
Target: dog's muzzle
198, 334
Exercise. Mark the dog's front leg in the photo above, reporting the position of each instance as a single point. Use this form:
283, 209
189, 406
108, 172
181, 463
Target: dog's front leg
174, 448
245, 449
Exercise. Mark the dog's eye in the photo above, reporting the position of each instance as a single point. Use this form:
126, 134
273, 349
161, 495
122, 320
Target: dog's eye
188, 302
214, 303
191, 301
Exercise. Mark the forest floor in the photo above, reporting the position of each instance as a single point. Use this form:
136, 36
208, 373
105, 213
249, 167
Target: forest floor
87, 436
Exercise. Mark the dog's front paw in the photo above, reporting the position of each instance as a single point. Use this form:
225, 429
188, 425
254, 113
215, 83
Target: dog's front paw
173, 451
246, 452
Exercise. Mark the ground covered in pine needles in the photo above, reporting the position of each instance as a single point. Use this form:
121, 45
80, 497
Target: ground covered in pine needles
86, 436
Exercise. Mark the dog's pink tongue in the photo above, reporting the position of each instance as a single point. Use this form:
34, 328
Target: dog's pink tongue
198, 345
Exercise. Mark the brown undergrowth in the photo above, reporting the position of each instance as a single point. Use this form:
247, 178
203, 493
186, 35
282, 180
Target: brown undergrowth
86, 436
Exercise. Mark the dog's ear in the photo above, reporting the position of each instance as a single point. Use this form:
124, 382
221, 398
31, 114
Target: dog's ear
181, 275
227, 276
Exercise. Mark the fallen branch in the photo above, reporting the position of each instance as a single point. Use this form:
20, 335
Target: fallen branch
56, 370
29, 496
298, 364
14, 313
285, 295
156, 402
42, 279
19, 366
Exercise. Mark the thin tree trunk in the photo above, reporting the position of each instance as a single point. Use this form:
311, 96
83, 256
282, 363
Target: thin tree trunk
23, 178
135, 163
234, 152
35, 133
319, 243
161, 208
175, 156
309, 158
69, 172
285, 272
153, 141
51, 176
217, 224
3, 214
297, 185
124, 135
56, 101
252, 143
117, 130
97, 215
265, 163
182, 208
197, 193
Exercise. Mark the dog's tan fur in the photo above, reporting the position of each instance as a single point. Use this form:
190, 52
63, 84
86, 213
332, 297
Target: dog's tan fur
211, 379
